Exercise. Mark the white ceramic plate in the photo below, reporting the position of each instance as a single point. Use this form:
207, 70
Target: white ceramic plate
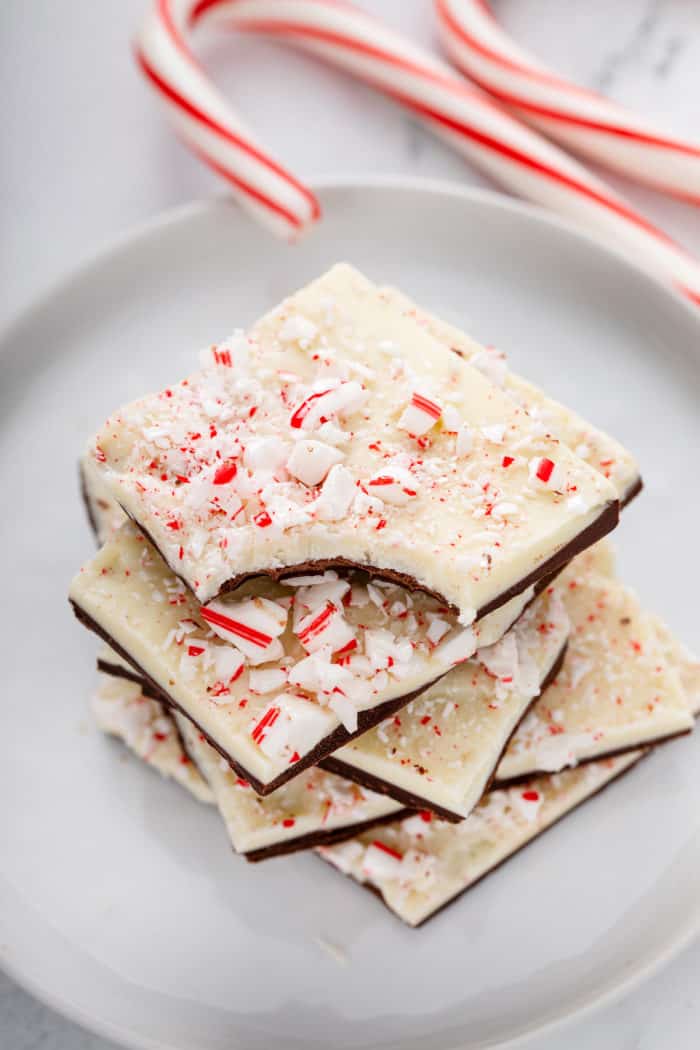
121, 903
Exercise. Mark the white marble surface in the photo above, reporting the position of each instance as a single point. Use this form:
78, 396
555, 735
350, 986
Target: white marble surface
86, 155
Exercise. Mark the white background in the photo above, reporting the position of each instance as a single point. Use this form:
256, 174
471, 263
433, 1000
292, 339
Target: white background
86, 154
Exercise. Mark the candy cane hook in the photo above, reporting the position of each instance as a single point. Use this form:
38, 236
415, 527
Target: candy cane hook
338, 32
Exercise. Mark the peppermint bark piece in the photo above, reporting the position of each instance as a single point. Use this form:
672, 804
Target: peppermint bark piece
418, 866
313, 809
277, 675
594, 446
440, 752
123, 710
625, 683
340, 433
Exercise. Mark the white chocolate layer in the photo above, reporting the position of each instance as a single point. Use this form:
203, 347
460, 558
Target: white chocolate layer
121, 709
621, 686
403, 642
592, 445
419, 865
314, 803
104, 513
445, 745
433, 471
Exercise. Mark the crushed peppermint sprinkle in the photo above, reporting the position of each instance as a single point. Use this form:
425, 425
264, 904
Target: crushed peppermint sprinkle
387, 849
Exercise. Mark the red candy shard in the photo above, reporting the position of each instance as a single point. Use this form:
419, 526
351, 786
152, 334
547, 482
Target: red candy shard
387, 849
300, 413
225, 473
267, 720
427, 406
544, 469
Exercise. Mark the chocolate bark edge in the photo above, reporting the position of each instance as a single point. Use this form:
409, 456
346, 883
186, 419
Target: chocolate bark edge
294, 845
117, 671
85, 496
615, 752
632, 492
601, 526
451, 900
383, 787
322, 838
365, 719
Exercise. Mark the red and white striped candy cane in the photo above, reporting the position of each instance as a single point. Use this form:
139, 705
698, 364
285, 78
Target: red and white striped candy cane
211, 128
338, 32
582, 120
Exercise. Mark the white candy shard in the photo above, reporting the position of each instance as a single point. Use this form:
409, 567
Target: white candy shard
327, 628
501, 659
311, 460
465, 441
323, 405
228, 662
395, 485
345, 710
317, 674
457, 646
337, 493
288, 725
451, 419
384, 650
314, 597
265, 453
267, 680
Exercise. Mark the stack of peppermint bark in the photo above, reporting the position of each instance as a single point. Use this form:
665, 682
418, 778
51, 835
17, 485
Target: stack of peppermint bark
354, 591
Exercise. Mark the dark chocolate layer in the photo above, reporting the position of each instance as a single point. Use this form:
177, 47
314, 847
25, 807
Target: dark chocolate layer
633, 491
323, 838
85, 496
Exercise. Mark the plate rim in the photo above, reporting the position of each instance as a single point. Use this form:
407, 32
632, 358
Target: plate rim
188, 211
135, 232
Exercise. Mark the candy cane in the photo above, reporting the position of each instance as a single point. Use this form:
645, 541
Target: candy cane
210, 127
518, 158
580, 119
